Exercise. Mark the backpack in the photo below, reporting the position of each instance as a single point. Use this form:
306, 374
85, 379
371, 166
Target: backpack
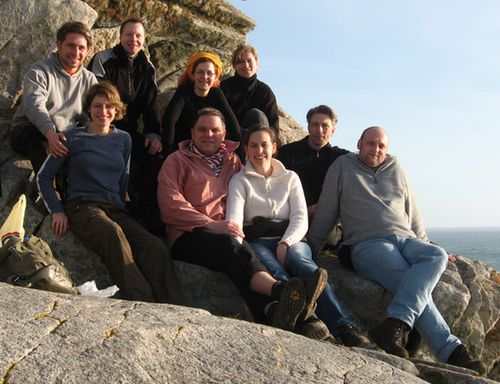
31, 264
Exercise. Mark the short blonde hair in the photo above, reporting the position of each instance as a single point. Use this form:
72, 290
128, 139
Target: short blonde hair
238, 52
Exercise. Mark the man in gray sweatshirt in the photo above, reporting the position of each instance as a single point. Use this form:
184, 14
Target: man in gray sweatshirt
53, 91
370, 193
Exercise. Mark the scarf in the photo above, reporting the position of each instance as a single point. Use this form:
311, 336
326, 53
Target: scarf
214, 161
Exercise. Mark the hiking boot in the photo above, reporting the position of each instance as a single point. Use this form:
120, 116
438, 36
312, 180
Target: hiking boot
290, 305
461, 357
314, 328
391, 336
414, 342
351, 336
315, 285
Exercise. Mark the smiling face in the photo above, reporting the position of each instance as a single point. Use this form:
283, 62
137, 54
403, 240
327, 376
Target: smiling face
132, 38
247, 65
205, 75
260, 149
373, 146
102, 112
208, 134
321, 129
72, 51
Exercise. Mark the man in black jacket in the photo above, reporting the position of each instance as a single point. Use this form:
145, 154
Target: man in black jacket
129, 69
311, 157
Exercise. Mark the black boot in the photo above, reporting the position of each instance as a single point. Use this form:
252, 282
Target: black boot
461, 357
391, 336
315, 285
351, 336
313, 328
292, 301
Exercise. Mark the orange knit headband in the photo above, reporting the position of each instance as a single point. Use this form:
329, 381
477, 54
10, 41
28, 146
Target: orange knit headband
204, 55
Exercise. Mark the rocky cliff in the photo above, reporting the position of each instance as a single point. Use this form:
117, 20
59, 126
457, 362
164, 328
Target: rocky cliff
46, 337
175, 30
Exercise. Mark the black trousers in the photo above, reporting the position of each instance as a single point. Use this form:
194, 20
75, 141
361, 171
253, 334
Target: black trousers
143, 183
223, 253
29, 141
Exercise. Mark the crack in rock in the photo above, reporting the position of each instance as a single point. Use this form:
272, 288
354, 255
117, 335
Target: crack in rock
280, 355
42, 315
114, 330
7, 42
180, 328
363, 363
5, 376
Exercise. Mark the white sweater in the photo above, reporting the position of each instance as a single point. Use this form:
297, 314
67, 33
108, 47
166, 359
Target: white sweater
276, 197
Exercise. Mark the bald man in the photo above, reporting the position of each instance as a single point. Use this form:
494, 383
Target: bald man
370, 193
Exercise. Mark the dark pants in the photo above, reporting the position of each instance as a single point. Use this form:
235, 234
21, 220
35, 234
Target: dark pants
223, 253
138, 262
28, 141
143, 183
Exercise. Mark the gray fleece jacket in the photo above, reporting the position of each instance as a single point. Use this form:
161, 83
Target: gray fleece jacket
52, 98
370, 203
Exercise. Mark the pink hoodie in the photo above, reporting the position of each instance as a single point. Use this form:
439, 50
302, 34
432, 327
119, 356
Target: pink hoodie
189, 193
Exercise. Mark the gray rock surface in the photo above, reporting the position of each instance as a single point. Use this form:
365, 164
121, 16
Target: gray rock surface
53, 338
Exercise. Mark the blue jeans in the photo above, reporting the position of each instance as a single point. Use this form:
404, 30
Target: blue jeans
299, 263
410, 269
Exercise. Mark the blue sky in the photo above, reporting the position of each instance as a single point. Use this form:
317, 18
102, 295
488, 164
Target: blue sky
426, 71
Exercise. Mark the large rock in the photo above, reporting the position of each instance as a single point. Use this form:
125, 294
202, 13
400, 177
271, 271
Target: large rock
178, 28
54, 338
175, 30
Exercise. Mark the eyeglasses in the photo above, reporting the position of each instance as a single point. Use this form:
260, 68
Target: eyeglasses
199, 72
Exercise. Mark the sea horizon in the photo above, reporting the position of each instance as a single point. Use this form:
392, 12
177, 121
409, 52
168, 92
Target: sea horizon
479, 243
485, 228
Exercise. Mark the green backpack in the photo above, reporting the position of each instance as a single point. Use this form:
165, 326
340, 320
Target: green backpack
31, 264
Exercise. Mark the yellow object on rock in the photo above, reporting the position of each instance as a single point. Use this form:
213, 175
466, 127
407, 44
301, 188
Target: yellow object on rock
14, 224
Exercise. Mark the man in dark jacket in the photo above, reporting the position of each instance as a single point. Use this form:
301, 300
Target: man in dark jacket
311, 157
128, 68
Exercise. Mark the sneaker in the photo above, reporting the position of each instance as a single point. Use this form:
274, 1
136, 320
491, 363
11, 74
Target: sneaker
290, 305
315, 285
461, 357
351, 336
314, 328
391, 336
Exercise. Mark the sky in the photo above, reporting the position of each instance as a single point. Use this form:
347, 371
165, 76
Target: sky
427, 71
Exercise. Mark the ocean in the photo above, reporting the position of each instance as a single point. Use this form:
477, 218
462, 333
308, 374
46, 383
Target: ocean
475, 243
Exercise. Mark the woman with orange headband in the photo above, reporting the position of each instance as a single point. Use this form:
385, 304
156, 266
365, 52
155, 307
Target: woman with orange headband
198, 88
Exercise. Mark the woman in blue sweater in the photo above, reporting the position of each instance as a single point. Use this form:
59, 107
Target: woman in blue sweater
97, 166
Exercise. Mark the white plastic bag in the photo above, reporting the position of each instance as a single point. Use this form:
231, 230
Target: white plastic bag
89, 288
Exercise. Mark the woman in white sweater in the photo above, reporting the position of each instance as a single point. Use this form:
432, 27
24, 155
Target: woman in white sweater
268, 202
